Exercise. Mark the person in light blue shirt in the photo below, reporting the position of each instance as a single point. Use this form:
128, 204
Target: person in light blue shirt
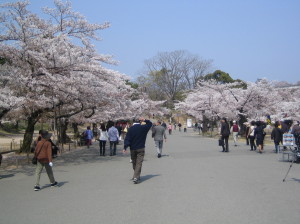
113, 135
88, 136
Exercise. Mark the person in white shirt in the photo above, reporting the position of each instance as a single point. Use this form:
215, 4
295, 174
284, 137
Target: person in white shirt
103, 138
251, 136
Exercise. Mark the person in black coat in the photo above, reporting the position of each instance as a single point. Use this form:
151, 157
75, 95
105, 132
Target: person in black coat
259, 134
276, 135
225, 132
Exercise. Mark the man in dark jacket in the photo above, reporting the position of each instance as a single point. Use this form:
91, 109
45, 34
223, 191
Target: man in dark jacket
225, 132
136, 140
276, 135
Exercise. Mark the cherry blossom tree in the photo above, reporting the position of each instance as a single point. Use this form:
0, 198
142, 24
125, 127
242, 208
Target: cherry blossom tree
288, 104
216, 100
50, 74
47, 73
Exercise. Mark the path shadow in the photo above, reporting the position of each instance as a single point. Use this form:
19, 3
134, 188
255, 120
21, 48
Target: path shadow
148, 177
6, 176
77, 156
295, 179
59, 184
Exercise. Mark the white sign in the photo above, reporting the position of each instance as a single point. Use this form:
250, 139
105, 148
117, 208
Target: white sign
189, 123
288, 140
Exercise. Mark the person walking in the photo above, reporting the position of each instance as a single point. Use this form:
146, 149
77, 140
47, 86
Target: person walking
284, 127
276, 136
88, 136
159, 134
225, 132
259, 134
235, 132
103, 138
164, 125
247, 124
125, 130
179, 127
296, 128
43, 153
251, 136
184, 128
296, 132
113, 135
136, 140
170, 128
119, 128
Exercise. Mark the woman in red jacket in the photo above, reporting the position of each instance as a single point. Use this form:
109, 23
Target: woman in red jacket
43, 152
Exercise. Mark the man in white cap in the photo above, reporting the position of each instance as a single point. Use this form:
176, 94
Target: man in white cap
235, 131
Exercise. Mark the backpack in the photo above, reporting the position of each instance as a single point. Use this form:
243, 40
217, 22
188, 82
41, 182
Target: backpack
235, 128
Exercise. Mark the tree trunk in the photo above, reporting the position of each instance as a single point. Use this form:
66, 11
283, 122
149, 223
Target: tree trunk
63, 127
242, 120
31, 121
205, 122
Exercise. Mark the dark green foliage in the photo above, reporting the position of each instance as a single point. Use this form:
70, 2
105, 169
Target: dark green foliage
219, 76
132, 84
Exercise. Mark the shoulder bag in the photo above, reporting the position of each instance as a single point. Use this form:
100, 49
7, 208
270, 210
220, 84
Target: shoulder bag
34, 159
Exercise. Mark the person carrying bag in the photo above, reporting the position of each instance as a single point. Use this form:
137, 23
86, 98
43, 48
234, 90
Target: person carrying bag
43, 153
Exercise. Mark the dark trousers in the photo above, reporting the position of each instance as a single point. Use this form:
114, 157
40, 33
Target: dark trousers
252, 142
137, 157
102, 147
225, 145
113, 147
247, 140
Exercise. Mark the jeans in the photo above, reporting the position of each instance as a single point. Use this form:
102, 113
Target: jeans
113, 147
38, 171
102, 147
137, 157
159, 146
276, 146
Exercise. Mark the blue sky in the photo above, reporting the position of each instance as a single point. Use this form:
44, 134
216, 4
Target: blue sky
249, 39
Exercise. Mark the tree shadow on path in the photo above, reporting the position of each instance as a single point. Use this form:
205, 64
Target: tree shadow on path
77, 156
6, 176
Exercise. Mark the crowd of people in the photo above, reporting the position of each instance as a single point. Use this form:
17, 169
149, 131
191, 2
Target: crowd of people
134, 137
255, 133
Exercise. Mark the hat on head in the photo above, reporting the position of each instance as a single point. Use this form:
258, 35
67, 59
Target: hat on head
45, 134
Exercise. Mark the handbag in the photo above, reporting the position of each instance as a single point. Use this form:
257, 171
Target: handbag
34, 159
221, 142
